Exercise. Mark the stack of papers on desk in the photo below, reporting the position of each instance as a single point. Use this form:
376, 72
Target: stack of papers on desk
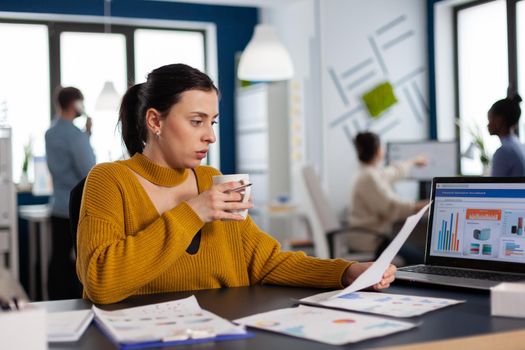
175, 322
325, 325
395, 305
67, 326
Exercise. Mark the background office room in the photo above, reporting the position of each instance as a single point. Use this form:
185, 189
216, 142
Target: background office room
367, 133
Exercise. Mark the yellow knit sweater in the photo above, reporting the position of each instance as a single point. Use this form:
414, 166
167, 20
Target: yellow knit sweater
126, 248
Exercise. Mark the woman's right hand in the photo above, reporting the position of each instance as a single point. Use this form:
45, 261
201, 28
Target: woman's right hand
216, 203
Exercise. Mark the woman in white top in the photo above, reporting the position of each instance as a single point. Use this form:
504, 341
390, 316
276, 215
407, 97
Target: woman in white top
374, 203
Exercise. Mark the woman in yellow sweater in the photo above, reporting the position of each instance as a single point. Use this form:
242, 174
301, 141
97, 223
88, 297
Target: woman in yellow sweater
155, 222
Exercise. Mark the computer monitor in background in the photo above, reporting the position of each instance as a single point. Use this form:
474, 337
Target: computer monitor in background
442, 158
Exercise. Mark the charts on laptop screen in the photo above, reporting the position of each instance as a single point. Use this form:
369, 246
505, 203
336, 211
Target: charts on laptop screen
479, 221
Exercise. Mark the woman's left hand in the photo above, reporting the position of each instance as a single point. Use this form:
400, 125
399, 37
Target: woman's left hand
356, 269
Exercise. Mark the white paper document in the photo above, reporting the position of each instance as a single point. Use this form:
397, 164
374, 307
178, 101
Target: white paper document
324, 325
177, 320
375, 272
23, 329
395, 305
67, 326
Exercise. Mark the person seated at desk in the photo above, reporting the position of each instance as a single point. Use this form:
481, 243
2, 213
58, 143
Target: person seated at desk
503, 116
156, 223
374, 203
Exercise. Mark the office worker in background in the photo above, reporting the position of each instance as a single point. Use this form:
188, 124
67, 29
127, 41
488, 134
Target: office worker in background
69, 159
156, 223
509, 159
374, 204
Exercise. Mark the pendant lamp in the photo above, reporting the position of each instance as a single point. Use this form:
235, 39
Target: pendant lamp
265, 57
108, 99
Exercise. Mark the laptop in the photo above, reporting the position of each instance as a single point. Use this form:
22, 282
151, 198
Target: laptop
476, 233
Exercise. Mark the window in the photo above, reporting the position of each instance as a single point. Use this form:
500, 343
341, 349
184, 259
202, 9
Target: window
84, 56
24, 87
482, 73
155, 48
87, 61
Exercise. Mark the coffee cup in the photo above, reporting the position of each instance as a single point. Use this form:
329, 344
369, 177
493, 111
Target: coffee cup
242, 179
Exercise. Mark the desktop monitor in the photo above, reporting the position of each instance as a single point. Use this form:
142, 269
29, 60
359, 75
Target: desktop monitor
442, 157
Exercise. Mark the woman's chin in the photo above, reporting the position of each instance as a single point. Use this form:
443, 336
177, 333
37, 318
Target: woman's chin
194, 163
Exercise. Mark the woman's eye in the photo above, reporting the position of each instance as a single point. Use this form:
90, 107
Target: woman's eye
196, 122
215, 122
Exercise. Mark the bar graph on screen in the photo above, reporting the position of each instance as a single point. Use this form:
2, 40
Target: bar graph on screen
448, 239
513, 249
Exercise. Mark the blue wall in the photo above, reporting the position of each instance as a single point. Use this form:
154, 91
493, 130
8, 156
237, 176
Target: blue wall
234, 29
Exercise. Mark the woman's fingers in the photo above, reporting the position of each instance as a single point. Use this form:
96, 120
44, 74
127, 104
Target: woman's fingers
390, 271
227, 206
388, 277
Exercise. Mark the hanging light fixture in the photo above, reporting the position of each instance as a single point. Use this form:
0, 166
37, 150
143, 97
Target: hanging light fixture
265, 57
108, 99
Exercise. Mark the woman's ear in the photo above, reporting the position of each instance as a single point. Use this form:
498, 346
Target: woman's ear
153, 120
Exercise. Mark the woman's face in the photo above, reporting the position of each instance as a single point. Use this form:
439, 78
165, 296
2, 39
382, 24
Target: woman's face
187, 131
495, 123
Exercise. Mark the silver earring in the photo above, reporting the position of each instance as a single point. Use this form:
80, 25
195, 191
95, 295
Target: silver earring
158, 133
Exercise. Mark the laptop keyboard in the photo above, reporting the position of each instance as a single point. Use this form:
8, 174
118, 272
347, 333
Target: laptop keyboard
435, 270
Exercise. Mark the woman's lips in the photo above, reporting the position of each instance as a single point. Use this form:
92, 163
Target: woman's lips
201, 154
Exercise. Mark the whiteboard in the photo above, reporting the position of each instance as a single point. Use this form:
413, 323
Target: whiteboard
442, 157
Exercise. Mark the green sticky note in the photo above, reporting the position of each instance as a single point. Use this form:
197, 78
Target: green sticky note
379, 99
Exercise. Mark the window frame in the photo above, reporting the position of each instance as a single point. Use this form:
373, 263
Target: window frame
58, 24
512, 55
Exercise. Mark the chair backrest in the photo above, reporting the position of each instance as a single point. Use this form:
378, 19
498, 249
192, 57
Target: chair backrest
318, 210
321, 203
75, 201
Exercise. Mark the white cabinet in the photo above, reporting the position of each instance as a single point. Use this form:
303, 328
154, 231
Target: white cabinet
262, 139
8, 219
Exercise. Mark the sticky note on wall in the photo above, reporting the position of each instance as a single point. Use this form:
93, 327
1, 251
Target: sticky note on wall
379, 99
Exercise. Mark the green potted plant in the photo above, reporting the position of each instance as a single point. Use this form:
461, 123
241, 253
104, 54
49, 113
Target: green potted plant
478, 142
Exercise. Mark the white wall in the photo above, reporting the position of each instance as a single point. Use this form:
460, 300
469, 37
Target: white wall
373, 42
297, 26
327, 39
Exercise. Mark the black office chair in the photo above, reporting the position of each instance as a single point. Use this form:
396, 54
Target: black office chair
75, 200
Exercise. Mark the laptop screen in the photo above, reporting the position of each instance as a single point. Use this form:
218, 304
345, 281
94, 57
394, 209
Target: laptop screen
479, 221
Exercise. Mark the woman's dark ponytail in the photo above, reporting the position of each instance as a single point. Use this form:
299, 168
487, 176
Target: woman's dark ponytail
161, 91
132, 123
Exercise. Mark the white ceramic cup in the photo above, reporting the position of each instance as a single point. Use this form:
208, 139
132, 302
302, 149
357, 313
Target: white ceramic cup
245, 193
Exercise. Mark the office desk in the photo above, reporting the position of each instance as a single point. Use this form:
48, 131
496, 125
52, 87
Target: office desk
470, 318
